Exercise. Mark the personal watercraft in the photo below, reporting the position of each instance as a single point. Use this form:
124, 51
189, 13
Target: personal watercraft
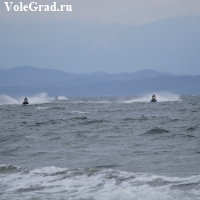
25, 101
153, 98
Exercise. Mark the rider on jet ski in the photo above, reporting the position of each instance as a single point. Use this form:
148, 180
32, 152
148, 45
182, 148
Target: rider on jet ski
25, 100
153, 98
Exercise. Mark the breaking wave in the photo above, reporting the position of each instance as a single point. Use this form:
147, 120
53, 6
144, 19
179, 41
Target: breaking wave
95, 184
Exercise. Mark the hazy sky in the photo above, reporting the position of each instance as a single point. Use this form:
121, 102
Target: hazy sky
49, 39
108, 11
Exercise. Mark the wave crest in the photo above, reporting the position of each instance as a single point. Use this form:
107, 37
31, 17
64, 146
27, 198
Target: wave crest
156, 131
97, 184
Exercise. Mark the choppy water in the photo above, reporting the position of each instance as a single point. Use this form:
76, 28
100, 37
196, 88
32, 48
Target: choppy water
108, 148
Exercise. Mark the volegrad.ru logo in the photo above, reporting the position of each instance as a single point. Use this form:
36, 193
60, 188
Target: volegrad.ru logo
34, 6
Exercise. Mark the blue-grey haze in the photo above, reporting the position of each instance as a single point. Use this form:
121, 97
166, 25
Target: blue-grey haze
170, 45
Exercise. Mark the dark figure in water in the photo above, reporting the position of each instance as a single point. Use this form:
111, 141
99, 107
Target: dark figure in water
153, 98
25, 101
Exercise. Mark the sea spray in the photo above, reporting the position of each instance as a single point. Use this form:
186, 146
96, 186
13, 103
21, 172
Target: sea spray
62, 98
40, 98
36, 99
4, 99
160, 96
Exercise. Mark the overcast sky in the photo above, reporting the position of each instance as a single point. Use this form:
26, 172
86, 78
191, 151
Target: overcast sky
94, 12
108, 11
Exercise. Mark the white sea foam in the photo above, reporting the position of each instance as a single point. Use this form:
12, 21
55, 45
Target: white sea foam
91, 102
160, 96
43, 108
54, 183
99, 102
62, 98
80, 112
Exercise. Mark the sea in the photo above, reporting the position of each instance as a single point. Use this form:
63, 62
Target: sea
100, 148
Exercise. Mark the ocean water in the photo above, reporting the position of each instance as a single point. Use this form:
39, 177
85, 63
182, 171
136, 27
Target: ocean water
105, 148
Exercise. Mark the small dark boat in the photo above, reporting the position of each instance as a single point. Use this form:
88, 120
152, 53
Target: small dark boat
25, 101
153, 98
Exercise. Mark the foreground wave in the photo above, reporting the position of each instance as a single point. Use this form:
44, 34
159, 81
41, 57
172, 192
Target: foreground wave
93, 184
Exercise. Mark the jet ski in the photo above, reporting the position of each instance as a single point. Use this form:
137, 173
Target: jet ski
25, 101
153, 98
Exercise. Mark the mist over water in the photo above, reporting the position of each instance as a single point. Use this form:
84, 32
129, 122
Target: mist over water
105, 148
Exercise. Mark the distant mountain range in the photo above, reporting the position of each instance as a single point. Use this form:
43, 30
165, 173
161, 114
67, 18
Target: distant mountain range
29, 81
40, 77
165, 44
